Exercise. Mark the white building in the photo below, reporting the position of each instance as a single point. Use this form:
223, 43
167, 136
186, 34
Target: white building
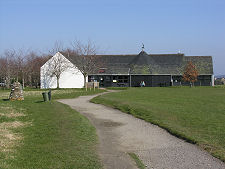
70, 77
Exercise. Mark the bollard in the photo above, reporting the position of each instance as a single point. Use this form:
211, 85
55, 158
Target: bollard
45, 97
50, 95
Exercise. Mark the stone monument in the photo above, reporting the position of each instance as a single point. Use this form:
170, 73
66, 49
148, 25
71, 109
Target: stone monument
16, 92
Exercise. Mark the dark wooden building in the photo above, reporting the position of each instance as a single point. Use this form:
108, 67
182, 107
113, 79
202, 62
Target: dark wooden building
154, 69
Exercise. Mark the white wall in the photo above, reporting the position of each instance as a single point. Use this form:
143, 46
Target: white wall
212, 78
71, 78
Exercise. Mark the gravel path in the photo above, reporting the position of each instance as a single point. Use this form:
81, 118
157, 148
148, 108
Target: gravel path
120, 133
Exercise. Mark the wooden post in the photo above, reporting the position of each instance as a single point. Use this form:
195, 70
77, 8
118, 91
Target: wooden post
92, 85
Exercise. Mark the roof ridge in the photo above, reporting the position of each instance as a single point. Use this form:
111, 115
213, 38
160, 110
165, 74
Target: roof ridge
198, 56
169, 54
118, 55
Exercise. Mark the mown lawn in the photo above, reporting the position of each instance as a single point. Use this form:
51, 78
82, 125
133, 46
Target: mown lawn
46, 135
195, 114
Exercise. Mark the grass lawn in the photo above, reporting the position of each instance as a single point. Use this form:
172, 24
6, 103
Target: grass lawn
46, 135
195, 114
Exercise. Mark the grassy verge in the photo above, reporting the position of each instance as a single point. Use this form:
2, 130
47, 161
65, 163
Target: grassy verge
137, 160
117, 88
195, 114
37, 134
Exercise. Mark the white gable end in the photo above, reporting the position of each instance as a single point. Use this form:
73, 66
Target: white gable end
70, 78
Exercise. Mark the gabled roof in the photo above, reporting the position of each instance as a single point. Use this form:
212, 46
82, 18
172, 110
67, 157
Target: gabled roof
141, 59
204, 64
67, 55
144, 63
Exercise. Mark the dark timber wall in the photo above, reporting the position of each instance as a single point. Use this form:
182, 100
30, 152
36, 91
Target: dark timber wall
150, 80
124, 80
203, 80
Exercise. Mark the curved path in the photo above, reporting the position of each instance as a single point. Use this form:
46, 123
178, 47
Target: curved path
120, 133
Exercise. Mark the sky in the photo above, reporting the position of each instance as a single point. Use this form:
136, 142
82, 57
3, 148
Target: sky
193, 27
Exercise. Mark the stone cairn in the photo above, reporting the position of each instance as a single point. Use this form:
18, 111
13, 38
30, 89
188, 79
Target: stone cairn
16, 92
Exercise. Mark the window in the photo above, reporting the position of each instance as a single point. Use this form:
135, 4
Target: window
122, 79
107, 78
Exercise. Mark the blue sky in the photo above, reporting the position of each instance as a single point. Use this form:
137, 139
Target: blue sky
195, 27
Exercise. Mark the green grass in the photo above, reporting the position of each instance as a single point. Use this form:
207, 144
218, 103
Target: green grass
46, 135
117, 88
195, 114
137, 160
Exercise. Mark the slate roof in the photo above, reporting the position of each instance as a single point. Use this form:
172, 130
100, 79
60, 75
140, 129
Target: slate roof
155, 64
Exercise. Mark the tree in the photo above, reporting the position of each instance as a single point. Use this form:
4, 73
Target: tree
33, 65
84, 57
190, 74
20, 66
7, 66
3, 62
57, 65
58, 47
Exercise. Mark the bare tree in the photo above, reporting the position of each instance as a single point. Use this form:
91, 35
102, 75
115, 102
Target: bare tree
57, 65
7, 66
84, 57
3, 63
20, 66
24, 65
32, 67
58, 46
